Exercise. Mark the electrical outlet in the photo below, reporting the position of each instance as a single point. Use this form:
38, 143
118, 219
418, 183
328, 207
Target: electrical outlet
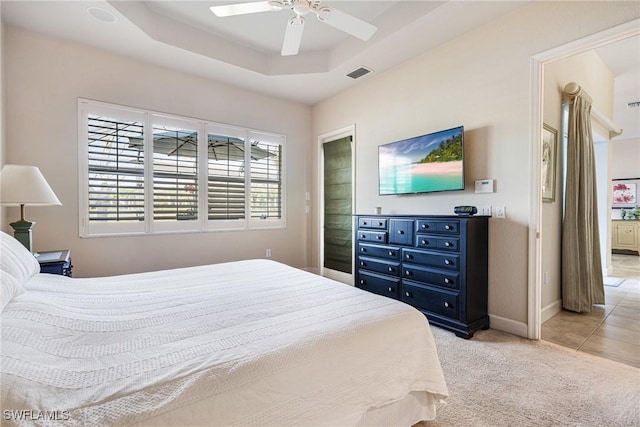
484, 210
501, 212
268, 253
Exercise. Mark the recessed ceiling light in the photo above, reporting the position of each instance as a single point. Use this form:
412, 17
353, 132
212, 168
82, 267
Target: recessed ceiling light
101, 15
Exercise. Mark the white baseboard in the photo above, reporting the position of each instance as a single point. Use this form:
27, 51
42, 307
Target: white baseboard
551, 310
609, 270
509, 326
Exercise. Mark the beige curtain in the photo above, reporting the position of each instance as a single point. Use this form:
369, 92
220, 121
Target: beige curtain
582, 284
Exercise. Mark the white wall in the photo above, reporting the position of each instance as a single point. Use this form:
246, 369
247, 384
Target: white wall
626, 158
482, 81
44, 78
2, 109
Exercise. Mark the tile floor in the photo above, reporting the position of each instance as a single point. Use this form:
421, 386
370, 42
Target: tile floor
611, 330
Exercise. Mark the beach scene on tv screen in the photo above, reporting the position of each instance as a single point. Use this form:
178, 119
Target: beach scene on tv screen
425, 163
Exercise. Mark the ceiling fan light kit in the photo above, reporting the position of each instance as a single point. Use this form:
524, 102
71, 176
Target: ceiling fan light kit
295, 26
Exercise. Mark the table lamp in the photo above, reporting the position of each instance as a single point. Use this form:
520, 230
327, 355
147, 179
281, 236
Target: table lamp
22, 185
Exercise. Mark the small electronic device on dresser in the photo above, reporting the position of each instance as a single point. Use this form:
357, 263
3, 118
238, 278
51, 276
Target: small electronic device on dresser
436, 263
56, 262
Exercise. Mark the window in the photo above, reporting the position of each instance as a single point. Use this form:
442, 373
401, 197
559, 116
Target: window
266, 177
226, 174
144, 172
116, 173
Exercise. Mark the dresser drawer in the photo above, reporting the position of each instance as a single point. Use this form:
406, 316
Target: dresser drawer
436, 301
387, 252
375, 223
438, 226
387, 267
401, 232
372, 236
444, 243
431, 276
434, 259
381, 285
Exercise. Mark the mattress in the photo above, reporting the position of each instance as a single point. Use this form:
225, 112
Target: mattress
245, 343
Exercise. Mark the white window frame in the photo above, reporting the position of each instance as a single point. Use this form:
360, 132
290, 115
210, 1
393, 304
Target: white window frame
149, 225
268, 222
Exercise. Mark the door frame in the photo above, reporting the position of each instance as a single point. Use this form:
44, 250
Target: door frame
594, 41
322, 139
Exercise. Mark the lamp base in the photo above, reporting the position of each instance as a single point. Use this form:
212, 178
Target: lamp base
22, 233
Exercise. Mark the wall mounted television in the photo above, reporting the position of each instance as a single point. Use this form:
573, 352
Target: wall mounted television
422, 164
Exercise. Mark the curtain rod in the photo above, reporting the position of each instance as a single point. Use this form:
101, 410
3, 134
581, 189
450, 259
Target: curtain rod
573, 89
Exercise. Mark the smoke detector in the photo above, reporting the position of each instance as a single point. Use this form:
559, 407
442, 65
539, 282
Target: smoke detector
635, 104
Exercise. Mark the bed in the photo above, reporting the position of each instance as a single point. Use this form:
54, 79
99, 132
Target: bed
248, 343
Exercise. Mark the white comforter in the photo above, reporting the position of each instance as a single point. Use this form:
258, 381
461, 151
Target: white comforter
259, 342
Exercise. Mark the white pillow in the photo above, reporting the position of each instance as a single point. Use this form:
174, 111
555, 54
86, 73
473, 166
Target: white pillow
10, 289
17, 265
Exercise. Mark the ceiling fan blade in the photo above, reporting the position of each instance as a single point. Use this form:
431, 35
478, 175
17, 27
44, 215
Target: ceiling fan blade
347, 23
293, 36
245, 8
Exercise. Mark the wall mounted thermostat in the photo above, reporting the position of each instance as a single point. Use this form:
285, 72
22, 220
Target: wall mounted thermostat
484, 186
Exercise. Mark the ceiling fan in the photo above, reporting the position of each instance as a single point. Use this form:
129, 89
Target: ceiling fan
293, 35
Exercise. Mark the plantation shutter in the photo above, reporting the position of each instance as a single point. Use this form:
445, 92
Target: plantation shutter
115, 169
266, 180
144, 172
175, 174
226, 182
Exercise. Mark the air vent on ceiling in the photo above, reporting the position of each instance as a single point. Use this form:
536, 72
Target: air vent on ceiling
635, 104
359, 72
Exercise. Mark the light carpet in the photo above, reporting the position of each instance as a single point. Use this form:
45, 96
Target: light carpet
498, 379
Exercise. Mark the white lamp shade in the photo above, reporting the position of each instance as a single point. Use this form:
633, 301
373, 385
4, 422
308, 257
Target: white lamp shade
25, 185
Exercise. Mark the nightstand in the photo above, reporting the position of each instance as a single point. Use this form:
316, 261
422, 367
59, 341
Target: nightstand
55, 262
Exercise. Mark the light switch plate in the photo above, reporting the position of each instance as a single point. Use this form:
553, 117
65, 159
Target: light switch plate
484, 186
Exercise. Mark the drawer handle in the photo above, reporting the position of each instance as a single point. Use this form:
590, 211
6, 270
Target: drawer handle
447, 227
446, 280
446, 304
424, 242
380, 224
379, 237
448, 244
408, 273
362, 263
391, 253
390, 289
362, 281
363, 249
408, 256
400, 232
447, 262
363, 236
425, 226
364, 222
391, 269
408, 294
